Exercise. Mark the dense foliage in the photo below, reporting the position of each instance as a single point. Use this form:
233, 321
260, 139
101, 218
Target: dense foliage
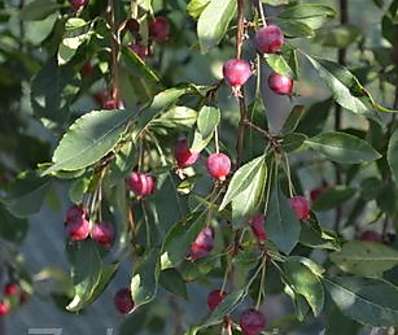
164, 120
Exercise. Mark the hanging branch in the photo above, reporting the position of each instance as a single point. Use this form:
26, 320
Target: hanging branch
241, 96
115, 89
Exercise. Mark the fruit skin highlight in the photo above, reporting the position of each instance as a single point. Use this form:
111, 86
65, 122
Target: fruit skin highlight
184, 155
77, 4
203, 244
252, 322
159, 29
300, 207
123, 301
103, 233
236, 73
142, 184
218, 166
269, 40
280, 85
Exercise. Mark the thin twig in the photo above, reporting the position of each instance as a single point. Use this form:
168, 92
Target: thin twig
114, 49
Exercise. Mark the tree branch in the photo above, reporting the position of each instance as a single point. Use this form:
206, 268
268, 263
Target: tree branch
115, 90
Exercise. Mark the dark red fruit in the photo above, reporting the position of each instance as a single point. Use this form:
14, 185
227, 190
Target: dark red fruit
78, 230
252, 322
371, 236
5, 308
103, 234
203, 244
133, 26
281, 85
123, 301
269, 39
300, 207
76, 213
236, 72
257, 225
77, 4
142, 184
87, 69
139, 49
219, 166
184, 155
159, 29
215, 298
12, 290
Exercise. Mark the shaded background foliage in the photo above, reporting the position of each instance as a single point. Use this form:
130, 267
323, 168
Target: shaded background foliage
43, 91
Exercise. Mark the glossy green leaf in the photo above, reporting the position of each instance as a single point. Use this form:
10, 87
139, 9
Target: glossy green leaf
26, 195
392, 155
208, 120
39, 10
343, 148
303, 276
172, 281
144, 283
293, 119
196, 7
365, 258
283, 227
369, 301
89, 139
213, 23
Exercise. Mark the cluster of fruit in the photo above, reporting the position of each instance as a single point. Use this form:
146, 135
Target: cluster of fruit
13, 296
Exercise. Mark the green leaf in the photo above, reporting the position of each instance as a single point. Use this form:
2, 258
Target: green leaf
26, 195
283, 227
365, 258
172, 281
338, 37
12, 228
248, 201
275, 2
302, 274
176, 117
138, 66
338, 323
144, 284
333, 197
242, 179
293, 141
213, 23
369, 301
312, 15
208, 120
180, 237
90, 276
346, 89
293, 28
162, 102
77, 31
392, 155
90, 138
279, 64
39, 9
293, 120
343, 148
196, 7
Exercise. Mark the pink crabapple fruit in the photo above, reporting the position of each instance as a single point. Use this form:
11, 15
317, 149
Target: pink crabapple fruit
269, 39
103, 234
371, 236
139, 49
5, 308
133, 26
300, 207
280, 84
123, 301
159, 29
12, 290
252, 322
218, 166
78, 230
75, 213
236, 73
77, 4
257, 225
184, 155
203, 244
215, 298
142, 184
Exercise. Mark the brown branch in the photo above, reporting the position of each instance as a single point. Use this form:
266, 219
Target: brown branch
342, 60
115, 91
241, 94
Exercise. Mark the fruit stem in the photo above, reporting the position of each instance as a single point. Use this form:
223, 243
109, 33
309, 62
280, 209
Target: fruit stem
262, 14
241, 95
342, 60
216, 140
114, 50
